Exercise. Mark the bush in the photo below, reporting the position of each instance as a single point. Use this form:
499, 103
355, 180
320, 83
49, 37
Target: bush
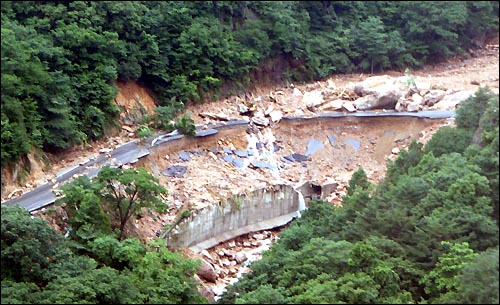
447, 140
185, 125
144, 131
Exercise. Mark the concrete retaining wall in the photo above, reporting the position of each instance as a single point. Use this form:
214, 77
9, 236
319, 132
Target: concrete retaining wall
259, 210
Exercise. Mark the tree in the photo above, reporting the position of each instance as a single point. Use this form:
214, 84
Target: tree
470, 111
447, 140
374, 45
185, 125
86, 215
443, 278
478, 281
30, 247
126, 192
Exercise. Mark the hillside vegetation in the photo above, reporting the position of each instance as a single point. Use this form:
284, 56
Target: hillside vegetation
60, 60
428, 233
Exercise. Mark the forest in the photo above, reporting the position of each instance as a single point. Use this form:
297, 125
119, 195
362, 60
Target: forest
427, 233
61, 59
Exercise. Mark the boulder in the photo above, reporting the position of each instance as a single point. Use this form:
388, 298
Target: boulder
206, 254
257, 120
349, 107
451, 101
243, 109
433, 96
206, 271
296, 92
332, 105
417, 99
401, 105
208, 293
386, 98
366, 87
423, 84
313, 99
258, 236
276, 115
413, 107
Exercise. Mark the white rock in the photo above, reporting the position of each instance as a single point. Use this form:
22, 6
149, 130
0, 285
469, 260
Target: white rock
276, 115
313, 99
206, 254
413, 107
451, 101
258, 236
417, 99
349, 107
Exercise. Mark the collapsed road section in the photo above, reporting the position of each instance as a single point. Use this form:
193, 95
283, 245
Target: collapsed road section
235, 160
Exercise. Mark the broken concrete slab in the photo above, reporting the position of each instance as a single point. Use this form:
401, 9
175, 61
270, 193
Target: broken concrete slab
276, 147
228, 158
177, 171
313, 146
356, 144
301, 157
241, 153
238, 162
208, 132
260, 164
331, 139
184, 156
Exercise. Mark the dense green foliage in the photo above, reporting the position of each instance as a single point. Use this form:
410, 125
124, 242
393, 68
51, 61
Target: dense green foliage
108, 203
60, 60
185, 125
40, 266
427, 233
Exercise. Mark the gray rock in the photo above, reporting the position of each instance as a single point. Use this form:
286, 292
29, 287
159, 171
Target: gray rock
260, 121
349, 106
413, 107
451, 101
297, 158
356, 144
313, 99
177, 171
276, 115
207, 271
207, 132
313, 146
433, 96
331, 139
242, 109
241, 153
228, 158
258, 236
184, 156
260, 164
238, 162
241, 257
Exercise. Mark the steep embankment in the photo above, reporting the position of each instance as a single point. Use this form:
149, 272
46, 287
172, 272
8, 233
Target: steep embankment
198, 184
